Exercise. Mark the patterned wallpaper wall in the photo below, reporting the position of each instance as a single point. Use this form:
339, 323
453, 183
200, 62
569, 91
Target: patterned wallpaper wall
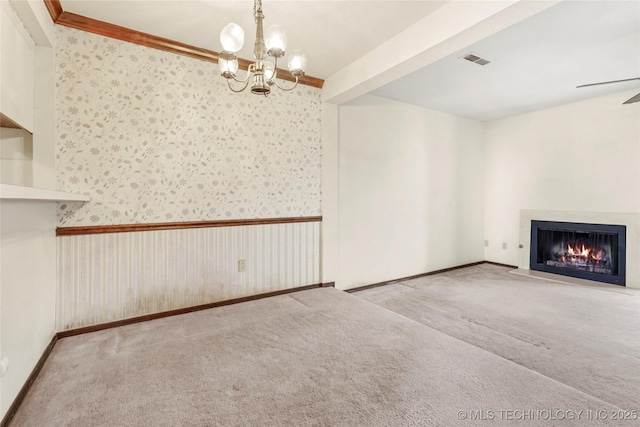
158, 137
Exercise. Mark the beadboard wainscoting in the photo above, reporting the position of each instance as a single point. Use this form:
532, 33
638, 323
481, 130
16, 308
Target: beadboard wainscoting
108, 277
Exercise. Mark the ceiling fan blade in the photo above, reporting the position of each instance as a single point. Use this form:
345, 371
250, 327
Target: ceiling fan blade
632, 100
606, 83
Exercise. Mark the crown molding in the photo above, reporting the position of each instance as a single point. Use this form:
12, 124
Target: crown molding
83, 23
55, 9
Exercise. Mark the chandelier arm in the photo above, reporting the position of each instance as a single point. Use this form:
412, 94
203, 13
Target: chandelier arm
260, 69
246, 83
250, 71
272, 80
245, 80
286, 89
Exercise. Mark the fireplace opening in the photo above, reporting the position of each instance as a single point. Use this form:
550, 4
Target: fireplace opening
587, 251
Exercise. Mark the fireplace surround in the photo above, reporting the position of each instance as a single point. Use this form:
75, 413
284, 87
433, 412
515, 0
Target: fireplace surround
522, 259
582, 250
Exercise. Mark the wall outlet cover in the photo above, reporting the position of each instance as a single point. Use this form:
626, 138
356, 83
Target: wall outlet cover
4, 366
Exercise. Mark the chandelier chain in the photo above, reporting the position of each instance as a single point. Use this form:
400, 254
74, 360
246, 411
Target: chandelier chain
257, 9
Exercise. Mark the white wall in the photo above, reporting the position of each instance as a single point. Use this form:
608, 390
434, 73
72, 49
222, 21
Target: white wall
44, 128
580, 157
27, 95
28, 288
27, 228
330, 242
16, 68
410, 191
16, 157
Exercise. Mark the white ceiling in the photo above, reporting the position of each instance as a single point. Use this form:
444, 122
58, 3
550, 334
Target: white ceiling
536, 63
331, 33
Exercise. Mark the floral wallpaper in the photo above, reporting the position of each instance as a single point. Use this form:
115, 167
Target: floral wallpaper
158, 137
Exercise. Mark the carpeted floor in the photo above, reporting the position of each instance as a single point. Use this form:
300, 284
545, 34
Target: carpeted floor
471, 347
584, 336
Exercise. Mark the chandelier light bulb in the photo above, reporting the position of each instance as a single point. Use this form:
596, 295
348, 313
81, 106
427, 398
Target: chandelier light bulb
261, 74
269, 71
276, 40
297, 62
232, 37
228, 66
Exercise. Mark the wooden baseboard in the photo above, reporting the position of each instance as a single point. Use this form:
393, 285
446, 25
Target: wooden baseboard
500, 265
11, 412
431, 273
145, 318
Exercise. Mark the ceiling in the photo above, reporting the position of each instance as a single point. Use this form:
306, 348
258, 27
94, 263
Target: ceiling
331, 33
536, 63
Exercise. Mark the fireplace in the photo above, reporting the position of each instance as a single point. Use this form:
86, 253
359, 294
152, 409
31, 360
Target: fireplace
586, 251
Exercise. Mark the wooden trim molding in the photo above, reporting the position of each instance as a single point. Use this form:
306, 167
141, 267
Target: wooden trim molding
123, 322
501, 265
113, 31
125, 228
79, 22
403, 279
431, 273
55, 9
11, 412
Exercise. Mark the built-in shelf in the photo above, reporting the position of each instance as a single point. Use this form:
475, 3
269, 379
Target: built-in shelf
17, 192
6, 122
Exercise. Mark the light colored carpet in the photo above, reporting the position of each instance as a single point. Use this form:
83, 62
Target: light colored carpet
587, 337
320, 357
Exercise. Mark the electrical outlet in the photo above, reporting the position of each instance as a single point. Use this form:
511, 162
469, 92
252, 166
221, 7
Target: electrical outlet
4, 366
504, 245
242, 266
486, 243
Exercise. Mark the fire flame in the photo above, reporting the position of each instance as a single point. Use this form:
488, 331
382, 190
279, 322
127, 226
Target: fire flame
576, 253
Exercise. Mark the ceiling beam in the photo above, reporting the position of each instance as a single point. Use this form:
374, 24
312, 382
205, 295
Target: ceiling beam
447, 30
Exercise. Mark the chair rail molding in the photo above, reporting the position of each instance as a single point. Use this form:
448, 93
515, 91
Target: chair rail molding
113, 276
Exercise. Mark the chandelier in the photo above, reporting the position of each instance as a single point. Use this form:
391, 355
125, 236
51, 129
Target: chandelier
261, 73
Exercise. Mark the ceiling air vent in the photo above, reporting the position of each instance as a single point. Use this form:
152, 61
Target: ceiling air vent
476, 59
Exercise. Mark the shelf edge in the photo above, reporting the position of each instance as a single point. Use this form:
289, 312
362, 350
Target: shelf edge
17, 192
